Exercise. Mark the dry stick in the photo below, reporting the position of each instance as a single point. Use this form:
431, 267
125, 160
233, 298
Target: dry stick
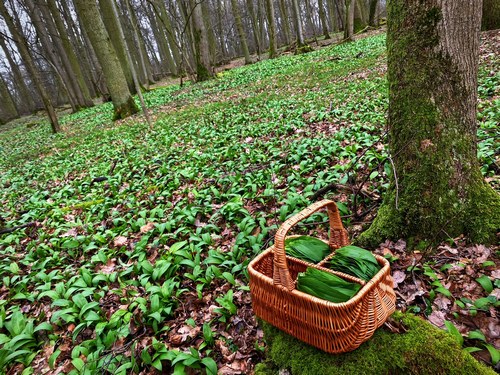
131, 64
13, 229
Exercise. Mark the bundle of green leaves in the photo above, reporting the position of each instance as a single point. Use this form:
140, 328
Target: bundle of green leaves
355, 261
307, 248
326, 286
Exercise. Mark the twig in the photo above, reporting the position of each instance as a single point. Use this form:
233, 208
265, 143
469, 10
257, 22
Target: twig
13, 229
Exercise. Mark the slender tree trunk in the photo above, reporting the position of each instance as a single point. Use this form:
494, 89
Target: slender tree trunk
332, 14
52, 56
202, 52
169, 32
255, 26
72, 58
205, 11
220, 29
166, 59
93, 24
271, 20
28, 104
322, 17
8, 110
241, 31
310, 21
111, 24
22, 47
285, 22
349, 20
438, 191
360, 15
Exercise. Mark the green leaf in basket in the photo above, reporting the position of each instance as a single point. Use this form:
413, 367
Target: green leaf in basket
307, 248
355, 261
326, 286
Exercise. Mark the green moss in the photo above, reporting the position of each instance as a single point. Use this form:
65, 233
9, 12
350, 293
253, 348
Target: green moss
423, 349
125, 110
83, 205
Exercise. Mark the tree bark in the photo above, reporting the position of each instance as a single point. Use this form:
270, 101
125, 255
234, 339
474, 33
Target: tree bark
116, 81
374, 13
241, 31
111, 24
349, 20
255, 26
438, 191
202, 51
22, 47
271, 20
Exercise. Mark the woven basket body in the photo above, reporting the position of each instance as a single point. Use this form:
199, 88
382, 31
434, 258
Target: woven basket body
332, 327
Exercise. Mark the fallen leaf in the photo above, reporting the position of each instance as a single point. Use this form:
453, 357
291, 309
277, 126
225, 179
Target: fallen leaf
146, 228
398, 277
120, 241
437, 318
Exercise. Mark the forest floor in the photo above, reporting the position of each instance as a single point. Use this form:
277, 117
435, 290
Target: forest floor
124, 248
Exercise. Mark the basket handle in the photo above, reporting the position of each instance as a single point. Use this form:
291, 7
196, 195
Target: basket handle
338, 238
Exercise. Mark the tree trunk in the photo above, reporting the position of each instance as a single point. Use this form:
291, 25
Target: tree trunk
169, 32
438, 191
322, 17
72, 58
28, 104
202, 52
255, 26
271, 20
285, 22
332, 14
52, 56
116, 81
212, 45
360, 15
166, 59
299, 32
8, 110
111, 24
374, 13
349, 20
22, 47
241, 31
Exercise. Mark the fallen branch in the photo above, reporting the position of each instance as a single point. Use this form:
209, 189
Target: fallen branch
13, 229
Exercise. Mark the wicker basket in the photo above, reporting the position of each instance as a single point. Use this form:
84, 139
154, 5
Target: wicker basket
332, 327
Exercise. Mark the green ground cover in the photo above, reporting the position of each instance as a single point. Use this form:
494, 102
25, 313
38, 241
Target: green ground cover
133, 234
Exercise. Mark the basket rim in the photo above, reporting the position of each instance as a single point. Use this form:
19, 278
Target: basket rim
371, 284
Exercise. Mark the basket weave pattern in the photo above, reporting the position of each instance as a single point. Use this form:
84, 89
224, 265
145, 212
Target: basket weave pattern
332, 327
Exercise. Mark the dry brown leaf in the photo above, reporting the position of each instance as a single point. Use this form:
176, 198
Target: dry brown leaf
147, 227
398, 277
120, 241
437, 318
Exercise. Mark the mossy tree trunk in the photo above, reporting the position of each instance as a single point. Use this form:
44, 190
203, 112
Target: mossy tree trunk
374, 13
438, 190
123, 103
201, 47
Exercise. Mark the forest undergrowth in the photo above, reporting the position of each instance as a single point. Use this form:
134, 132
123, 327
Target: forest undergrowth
124, 248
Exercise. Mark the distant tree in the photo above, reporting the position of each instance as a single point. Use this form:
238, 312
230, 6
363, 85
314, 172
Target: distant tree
374, 13
299, 31
285, 21
271, 27
241, 31
349, 20
22, 46
438, 190
322, 17
491, 15
8, 110
116, 81
255, 26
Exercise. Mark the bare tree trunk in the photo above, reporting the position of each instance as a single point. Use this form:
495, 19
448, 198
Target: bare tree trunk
166, 59
322, 17
360, 15
255, 26
28, 104
285, 22
72, 58
332, 14
439, 191
349, 20
22, 47
241, 31
271, 29
116, 81
374, 13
